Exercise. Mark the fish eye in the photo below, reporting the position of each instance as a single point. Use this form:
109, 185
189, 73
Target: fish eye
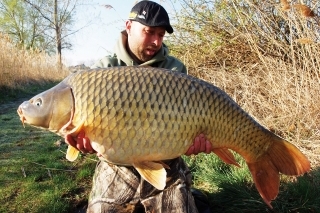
38, 102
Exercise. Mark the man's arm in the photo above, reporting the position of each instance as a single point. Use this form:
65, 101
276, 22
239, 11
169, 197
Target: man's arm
82, 143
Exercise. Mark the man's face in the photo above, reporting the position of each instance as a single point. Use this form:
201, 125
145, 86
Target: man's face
144, 42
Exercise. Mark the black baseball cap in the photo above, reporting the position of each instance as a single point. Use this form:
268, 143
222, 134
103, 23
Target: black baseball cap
151, 14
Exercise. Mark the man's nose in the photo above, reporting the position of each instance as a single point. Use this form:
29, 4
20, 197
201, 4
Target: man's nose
157, 40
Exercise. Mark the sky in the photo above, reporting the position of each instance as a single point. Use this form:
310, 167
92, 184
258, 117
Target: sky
100, 28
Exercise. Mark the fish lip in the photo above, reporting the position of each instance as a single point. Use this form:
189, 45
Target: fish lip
22, 117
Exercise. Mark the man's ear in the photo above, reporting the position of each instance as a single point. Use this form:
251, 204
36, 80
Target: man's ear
128, 26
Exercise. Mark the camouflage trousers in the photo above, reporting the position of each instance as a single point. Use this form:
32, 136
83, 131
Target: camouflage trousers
118, 189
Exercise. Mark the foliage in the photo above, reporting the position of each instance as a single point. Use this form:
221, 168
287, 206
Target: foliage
237, 32
275, 81
41, 25
266, 56
59, 17
24, 25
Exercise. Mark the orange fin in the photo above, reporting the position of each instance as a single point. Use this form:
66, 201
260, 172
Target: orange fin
72, 153
152, 172
281, 157
226, 156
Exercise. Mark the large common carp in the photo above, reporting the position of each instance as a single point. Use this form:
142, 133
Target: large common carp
141, 116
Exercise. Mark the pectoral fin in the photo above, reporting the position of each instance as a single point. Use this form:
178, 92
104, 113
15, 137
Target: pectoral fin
152, 172
226, 156
72, 153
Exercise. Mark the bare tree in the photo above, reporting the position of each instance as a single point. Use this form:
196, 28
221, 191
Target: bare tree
24, 25
59, 16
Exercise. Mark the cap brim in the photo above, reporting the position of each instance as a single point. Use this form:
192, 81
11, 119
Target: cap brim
169, 29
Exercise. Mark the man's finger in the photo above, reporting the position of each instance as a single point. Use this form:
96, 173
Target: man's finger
196, 145
80, 145
202, 141
87, 145
69, 140
190, 151
208, 147
81, 135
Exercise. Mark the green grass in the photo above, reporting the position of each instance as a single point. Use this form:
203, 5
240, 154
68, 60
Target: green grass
34, 174
231, 189
36, 177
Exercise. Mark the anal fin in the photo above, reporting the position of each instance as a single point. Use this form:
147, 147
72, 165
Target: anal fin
226, 156
152, 172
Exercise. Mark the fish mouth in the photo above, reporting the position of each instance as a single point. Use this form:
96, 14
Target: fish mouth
22, 117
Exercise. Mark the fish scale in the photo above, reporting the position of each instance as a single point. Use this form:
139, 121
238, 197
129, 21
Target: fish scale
139, 116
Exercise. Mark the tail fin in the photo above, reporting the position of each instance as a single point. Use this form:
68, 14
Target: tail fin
282, 157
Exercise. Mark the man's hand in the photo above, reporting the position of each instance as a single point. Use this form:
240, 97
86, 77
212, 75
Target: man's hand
200, 144
82, 143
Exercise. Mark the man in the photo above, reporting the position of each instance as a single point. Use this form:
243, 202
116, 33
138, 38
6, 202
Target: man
119, 188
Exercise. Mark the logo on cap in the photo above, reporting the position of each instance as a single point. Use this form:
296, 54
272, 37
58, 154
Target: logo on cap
133, 15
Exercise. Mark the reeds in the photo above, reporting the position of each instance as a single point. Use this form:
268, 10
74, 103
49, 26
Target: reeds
266, 56
20, 68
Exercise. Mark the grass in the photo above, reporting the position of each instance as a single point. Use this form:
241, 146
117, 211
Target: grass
231, 189
273, 77
23, 92
23, 72
34, 174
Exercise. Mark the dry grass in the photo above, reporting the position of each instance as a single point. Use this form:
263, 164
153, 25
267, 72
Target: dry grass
21, 68
275, 79
283, 100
